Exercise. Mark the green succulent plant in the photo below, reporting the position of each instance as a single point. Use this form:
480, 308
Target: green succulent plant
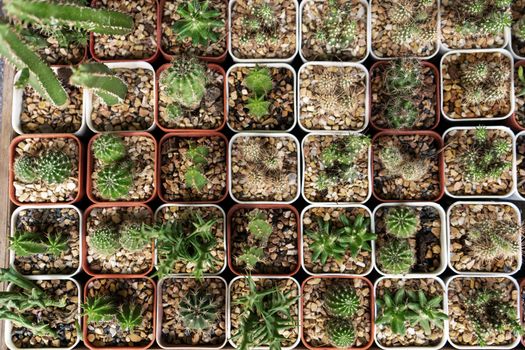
99, 308
57, 244
114, 181
198, 154
54, 166
132, 237
341, 332
194, 176
101, 80
28, 243
25, 169
109, 148
104, 241
394, 312
401, 113
518, 29
198, 22
258, 226
355, 234
520, 88
195, 179
198, 310
395, 257
429, 312
259, 80
397, 163
484, 17
325, 244
250, 257
403, 76
491, 240
185, 82
258, 106
338, 29
341, 301
129, 316
401, 221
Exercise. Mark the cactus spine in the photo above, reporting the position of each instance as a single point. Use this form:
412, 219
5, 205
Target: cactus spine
396, 257
341, 332
104, 241
54, 166
342, 301
109, 148
114, 181
185, 82
25, 169
198, 311
401, 221
101, 80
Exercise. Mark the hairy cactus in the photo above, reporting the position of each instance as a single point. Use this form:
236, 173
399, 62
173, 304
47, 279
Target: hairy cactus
338, 29
258, 106
341, 301
101, 80
185, 82
396, 257
491, 240
406, 33
114, 181
484, 17
99, 308
475, 73
252, 150
259, 80
109, 148
129, 316
495, 23
250, 257
131, 237
197, 22
398, 164
258, 226
53, 166
198, 310
25, 169
340, 332
391, 157
401, 221
104, 241
403, 76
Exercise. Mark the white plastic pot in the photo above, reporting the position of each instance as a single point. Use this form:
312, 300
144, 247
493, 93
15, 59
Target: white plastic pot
438, 346
8, 325
513, 168
438, 36
18, 102
468, 52
518, 307
270, 65
88, 94
335, 274
160, 311
14, 217
449, 255
334, 64
260, 60
157, 213
303, 162
368, 30
259, 135
442, 240
299, 316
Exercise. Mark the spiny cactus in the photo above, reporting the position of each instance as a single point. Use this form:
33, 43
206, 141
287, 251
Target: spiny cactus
99, 308
355, 234
519, 28
258, 226
104, 241
25, 169
259, 80
250, 257
132, 237
101, 80
54, 166
413, 170
185, 82
411, 21
475, 73
109, 148
396, 257
401, 113
341, 301
340, 332
258, 106
114, 181
338, 29
197, 154
391, 157
401, 221
198, 310
495, 23
396, 163
194, 178
129, 316
252, 150
260, 25
403, 76
197, 22
491, 240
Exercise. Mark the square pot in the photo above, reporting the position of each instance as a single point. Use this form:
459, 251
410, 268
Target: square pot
514, 121
517, 13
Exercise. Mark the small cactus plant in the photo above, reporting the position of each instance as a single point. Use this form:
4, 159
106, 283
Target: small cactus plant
99, 308
258, 106
131, 237
101, 80
250, 257
341, 333
519, 29
114, 181
54, 166
25, 169
355, 234
27, 243
109, 148
396, 257
197, 22
491, 240
341, 301
411, 22
259, 80
258, 226
338, 29
484, 17
185, 82
198, 311
401, 221
396, 163
129, 316
104, 241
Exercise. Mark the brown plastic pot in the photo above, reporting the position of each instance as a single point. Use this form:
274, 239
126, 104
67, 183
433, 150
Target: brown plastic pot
154, 316
512, 122
90, 167
372, 306
520, 300
211, 66
85, 264
438, 102
146, 59
440, 159
262, 206
21, 138
201, 133
169, 57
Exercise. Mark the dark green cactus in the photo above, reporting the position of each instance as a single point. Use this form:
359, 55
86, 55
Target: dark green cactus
25, 169
104, 241
197, 22
341, 333
114, 181
101, 80
395, 257
401, 221
54, 166
341, 301
198, 310
109, 148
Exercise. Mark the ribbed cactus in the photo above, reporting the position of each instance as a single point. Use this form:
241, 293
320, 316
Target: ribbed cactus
341, 301
258, 106
131, 237
185, 82
109, 148
198, 22
41, 78
340, 332
396, 257
101, 80
25, 169
258, 226
401, 113
198, 310
114, 181
104, 241
401, 221
259, 80
54, 166
403, 76
475, 73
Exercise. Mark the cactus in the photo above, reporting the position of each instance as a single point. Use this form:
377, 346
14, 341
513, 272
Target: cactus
258, 226
338, 29
53, 166
99, 308
485, 17
391, 157
197, 22
492, 240
252, 150
325, 244
101, 80
195, 179
398, 164
114, 181
355, 235
198, 311
109, 148
104, 241
413, 170
401, 221
258, 106
25, 169
396, 257
198, 154
129, 317
403, 76
406, 33
341, 333
341, 301
519, 29
259, 80
185, 82
131, 237
475, 73
401, 113
495, 23
250, 257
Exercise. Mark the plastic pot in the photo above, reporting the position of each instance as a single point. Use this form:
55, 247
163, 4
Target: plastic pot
229, 231
512, 122
211, 66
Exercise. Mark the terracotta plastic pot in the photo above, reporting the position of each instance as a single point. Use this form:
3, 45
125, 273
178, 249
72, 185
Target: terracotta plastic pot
372, 305
12, 148
147, 59
440, 160
84, 250
202, 133
153, 319
437, 95
90, 168
512, 122
229, 233
170, 57
211, 66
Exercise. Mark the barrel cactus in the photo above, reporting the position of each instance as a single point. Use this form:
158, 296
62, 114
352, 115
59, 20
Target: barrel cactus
341, 332
198, 311
131, 237
342, 301
114, 181
54, 166
185, 82
109, 148
104, 241
396, 257
401, 221
101, 80
25, 169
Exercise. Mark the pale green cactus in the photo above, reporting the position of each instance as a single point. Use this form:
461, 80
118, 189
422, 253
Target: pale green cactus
101, 80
